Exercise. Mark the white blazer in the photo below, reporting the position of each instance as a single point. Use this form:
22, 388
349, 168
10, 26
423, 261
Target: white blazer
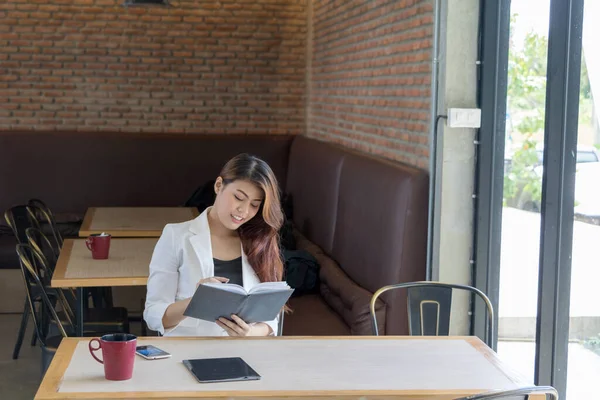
183, 256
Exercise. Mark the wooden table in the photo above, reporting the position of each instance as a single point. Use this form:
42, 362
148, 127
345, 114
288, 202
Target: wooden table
127, 265
133, 221
349, 367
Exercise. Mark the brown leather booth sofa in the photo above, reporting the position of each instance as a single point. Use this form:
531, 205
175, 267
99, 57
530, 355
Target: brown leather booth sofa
364, 219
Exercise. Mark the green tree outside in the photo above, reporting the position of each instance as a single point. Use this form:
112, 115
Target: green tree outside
526, 93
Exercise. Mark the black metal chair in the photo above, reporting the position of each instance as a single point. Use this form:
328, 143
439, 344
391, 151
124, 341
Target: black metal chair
44, 215
19, 218
513, 394
101, 296
429, 306
100, 319
43, 246
33, 281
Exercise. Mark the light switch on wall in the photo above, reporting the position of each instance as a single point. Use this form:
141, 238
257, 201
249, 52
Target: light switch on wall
464, 117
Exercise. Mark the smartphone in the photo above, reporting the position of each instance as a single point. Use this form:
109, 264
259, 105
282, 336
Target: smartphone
151, 352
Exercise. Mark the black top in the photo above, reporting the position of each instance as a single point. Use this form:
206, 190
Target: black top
231, 269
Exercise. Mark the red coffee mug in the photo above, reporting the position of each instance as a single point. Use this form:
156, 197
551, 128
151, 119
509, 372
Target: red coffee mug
99, 246
118, 354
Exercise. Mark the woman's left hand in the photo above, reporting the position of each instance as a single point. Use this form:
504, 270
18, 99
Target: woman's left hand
237, 327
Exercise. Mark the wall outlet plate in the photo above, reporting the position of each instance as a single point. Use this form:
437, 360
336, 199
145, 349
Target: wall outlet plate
464, 117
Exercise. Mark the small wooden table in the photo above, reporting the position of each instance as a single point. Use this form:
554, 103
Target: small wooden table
133, 221
127, 265
350, 367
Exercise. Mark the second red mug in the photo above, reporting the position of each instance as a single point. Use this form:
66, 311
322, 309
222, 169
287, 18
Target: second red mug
99, 245
118, 355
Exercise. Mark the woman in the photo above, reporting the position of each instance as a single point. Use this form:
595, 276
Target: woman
235, 240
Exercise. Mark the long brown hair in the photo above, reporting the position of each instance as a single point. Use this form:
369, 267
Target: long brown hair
260, 235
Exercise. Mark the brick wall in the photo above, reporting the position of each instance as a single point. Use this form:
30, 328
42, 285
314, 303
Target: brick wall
227, 66
370, 76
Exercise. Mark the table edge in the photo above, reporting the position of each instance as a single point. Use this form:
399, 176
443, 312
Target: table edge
99, 282
87, 220
509, 372
116, 233
60, 268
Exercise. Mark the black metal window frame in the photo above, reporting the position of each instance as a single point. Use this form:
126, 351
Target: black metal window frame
490, 158
560, 143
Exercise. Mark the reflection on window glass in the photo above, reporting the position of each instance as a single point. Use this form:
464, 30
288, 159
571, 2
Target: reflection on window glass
584, 331
528, 52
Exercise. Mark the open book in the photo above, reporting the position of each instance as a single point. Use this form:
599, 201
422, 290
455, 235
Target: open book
262, 303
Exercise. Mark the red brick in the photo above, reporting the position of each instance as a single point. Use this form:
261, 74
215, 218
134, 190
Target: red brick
100, 67
6, 93
371, 75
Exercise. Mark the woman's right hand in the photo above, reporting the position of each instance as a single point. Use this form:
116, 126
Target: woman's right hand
213, 279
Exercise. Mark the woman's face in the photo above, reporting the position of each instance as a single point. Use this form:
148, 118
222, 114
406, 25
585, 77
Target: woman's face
237, 202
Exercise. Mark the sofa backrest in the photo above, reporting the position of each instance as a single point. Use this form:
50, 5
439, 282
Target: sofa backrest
313, 181
369, 215
72, 171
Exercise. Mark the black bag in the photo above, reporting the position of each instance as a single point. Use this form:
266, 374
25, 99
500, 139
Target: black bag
301, 271
203, 197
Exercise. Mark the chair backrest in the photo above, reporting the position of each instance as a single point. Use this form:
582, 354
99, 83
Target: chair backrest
19, 218
44, 261
41, 244
32, 279
429, 305
43, 213
512, 394
429, 310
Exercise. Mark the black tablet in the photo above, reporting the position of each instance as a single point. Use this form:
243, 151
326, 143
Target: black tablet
208, 370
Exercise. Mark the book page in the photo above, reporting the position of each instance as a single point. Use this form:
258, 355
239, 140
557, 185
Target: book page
264, 287
228, 287
270, 287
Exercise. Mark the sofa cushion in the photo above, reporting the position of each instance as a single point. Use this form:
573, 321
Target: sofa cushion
313, 182
311, 316
381, 229
344, 296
